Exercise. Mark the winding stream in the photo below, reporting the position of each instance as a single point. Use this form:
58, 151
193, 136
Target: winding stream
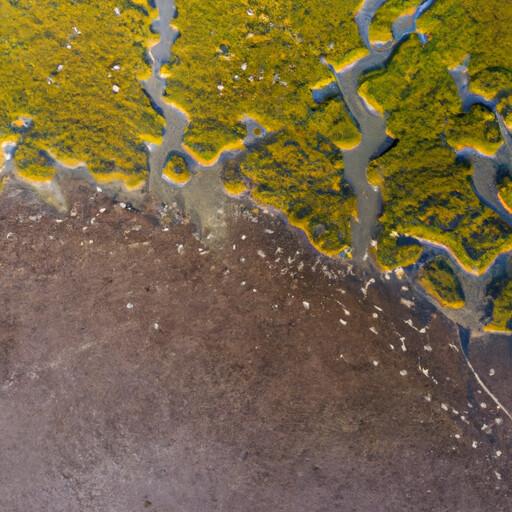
372, 125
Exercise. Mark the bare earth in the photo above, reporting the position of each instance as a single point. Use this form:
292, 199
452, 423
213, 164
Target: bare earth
139, 375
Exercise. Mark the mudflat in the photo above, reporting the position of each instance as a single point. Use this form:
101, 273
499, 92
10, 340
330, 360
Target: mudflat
145, 368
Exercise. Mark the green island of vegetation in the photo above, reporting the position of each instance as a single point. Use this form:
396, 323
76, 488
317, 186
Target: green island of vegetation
427, 191
505, 192
70, 87
439, 280
500, 291
176, 170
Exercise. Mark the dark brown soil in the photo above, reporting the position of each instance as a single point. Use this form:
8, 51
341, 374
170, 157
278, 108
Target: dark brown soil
219, 390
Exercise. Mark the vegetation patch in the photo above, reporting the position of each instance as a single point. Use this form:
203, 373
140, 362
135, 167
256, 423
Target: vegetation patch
260, 58
440, 281
505, 192
176, 170
428, 191
500, 291
69, 85
382, 23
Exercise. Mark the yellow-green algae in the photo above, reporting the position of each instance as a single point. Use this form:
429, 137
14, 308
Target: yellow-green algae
382, 23
480, 29
261, 58
505, 192
502, 308
477, 129
440, 281
303, 176
427, 192
234, 182
61, 65
64, 97
176, 170
256, 57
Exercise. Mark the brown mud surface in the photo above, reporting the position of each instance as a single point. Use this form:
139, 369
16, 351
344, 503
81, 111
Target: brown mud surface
143, 369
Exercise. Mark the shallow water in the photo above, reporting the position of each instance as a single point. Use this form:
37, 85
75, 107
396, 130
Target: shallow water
485, 168
371, 123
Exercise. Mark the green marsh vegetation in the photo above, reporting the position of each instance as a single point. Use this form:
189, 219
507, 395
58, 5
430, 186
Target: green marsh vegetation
505, 191
427, 191
380, 29
73, 67
256, 58
260, 58
176, 170
439, 280
304, 178
502, 306
70, 91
